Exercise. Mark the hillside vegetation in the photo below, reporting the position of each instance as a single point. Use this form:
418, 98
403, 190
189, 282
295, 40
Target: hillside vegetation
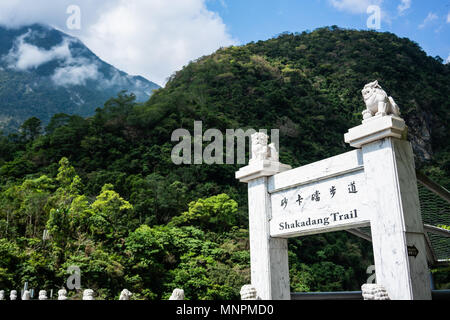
115, 205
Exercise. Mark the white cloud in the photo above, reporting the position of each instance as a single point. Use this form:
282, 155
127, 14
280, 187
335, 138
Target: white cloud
354, 6
361, 7
430, 18
448, 59
25, 56
75, 74
403, 6
159, 36
152, 38
448, 17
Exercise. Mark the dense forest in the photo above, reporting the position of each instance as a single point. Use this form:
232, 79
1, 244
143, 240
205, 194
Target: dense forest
114, 204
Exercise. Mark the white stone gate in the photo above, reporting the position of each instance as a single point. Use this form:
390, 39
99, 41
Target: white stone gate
374, 186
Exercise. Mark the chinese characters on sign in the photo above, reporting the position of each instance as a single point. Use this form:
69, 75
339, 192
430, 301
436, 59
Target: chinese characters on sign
299, 200
352, 188
316, 195
335, 203
284, 203
333, 191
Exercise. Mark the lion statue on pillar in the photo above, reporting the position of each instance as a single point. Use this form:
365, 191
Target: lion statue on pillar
261, 150
378, 102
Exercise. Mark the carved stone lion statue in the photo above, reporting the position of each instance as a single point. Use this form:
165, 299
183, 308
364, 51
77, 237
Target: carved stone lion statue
88, 294
177, 294
43, 295
13, 295
2, 294
378, 102
248, 292
260, 149
62, 294
125, 295
374, 292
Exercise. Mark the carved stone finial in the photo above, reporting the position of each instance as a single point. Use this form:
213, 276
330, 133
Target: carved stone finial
261, 150
125, 295
248, 292
378, 103
62, 294
381, 119
13, 295
264, 161
374, 292
88, 294
43, 295
2, 294
177, 294
26, 295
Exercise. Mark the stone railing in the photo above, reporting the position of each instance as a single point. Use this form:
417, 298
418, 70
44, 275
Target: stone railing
88, 294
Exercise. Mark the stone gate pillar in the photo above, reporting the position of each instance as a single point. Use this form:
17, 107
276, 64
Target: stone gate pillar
268, 256
396, 223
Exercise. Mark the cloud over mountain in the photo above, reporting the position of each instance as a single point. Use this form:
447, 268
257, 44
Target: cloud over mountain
149, 37
24, 56
45, 71
75, 74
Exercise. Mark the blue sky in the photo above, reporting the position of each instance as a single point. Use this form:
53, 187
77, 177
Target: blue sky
423, 21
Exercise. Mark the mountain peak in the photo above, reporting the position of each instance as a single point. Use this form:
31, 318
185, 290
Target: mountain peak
44, 71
